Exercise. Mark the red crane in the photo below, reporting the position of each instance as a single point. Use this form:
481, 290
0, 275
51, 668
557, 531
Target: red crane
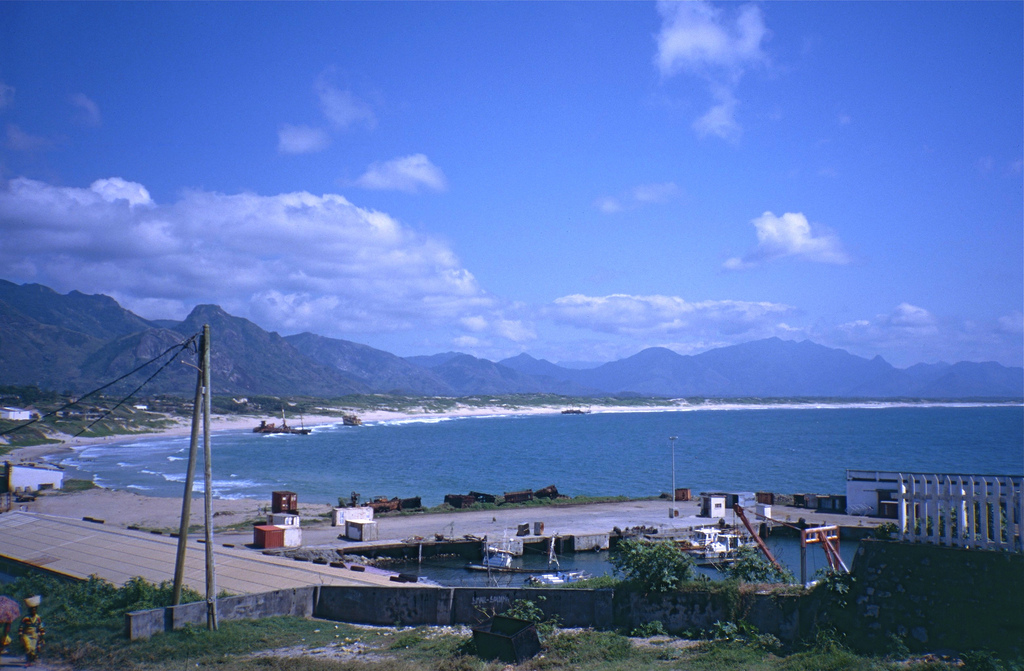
828, 536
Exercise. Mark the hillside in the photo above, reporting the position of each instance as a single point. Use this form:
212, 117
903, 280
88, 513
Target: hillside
77, 342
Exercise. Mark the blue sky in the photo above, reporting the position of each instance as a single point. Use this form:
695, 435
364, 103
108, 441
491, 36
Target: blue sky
578, 181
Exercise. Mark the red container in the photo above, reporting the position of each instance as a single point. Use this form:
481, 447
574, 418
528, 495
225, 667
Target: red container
284, 502
267, 536
683, 494
767, 498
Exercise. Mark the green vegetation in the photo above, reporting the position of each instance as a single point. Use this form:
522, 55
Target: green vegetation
886, 531
528, 610
75, 485
752, 566
652, 566
85, 629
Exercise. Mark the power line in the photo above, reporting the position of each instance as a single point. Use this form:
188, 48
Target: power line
179, 347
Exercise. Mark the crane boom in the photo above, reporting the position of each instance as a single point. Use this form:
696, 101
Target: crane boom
738, 509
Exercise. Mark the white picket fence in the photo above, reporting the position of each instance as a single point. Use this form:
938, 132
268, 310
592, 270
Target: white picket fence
972, 511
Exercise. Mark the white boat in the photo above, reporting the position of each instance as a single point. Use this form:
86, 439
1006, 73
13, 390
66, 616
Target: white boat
558, 578
713, 545
495, 559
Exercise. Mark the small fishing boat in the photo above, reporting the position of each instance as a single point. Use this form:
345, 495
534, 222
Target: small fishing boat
495, 559
348, 419
498, 559
557, 578
713, 546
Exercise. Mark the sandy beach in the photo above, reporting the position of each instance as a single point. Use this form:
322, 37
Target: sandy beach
123, 508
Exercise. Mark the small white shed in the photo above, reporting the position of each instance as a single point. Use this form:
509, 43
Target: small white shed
712, 504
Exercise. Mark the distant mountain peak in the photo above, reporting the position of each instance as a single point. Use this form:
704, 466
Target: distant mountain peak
77, 340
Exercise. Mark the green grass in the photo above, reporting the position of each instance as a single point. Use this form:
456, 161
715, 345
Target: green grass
74, 485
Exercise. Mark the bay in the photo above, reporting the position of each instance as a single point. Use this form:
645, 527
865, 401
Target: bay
780, 448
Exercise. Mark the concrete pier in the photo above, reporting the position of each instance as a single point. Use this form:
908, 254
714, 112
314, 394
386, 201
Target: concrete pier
79, 549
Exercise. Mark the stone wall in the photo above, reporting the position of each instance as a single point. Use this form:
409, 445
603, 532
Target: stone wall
298, 602
935, 597
413, 606
787, 616
931, 597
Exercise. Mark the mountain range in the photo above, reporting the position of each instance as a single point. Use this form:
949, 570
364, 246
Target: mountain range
78, 342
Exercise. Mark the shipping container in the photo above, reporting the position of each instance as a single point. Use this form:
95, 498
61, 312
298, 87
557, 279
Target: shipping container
284, 502
267, 536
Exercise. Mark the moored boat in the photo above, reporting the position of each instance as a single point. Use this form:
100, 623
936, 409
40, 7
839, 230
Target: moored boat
557, 578
713, 546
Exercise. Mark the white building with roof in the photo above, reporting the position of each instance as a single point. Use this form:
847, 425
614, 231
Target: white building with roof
23, 478
15, 414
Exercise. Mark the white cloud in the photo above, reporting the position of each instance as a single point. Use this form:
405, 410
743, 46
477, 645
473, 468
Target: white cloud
474, 323
700, 39
6, 95
655, 193
343, 108
643, 194
789, 236
661, 315
19, 140
90, 111
906, 328
1012, 323
909, 317
301, 139
909, 334
509, 329
514, 330
696, 36
406, 173
115, 188
290, 262
720, 120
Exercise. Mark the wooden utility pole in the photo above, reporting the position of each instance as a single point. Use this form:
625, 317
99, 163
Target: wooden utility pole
201, 408
186, 499
211, 575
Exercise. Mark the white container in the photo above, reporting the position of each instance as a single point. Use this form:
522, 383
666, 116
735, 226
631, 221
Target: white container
343, 515
292, 536
283, 519
361, 530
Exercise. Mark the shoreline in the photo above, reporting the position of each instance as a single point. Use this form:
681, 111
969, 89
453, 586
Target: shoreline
229, 423
123, 507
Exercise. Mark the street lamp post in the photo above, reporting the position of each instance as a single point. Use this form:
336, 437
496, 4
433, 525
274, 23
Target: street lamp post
672, 496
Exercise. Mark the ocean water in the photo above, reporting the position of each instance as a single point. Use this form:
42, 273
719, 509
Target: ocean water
786, 449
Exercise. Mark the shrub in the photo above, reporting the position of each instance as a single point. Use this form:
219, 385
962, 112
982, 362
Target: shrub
752, 566
648, 629
586, 649
525, 609
653, 566
886, 531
